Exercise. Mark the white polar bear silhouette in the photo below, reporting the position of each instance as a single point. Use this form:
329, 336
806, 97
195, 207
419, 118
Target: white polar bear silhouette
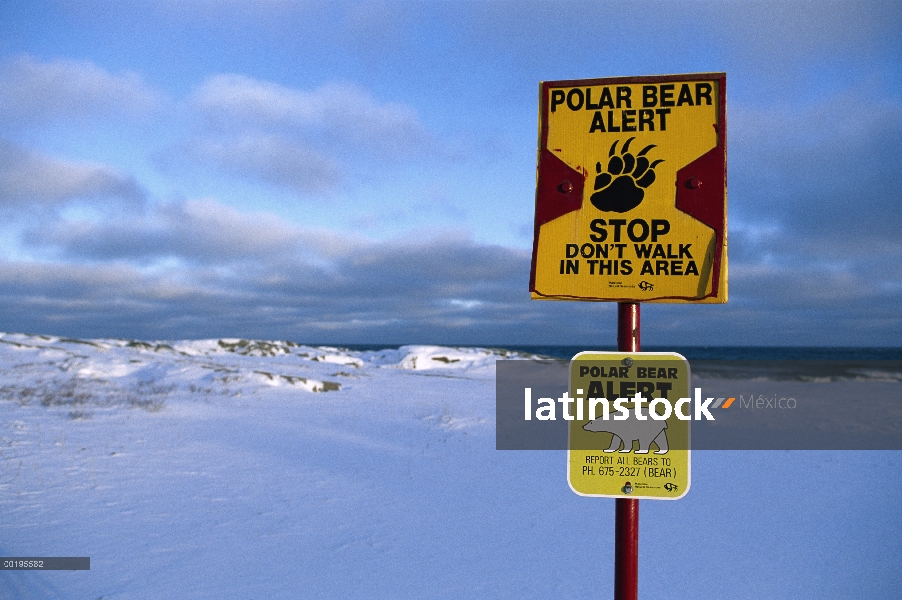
630, 429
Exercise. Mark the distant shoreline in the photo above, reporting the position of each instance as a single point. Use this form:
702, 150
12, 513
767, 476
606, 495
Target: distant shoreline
690, 352
854, 353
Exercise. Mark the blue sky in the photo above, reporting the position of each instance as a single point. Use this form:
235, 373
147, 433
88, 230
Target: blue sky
364, 172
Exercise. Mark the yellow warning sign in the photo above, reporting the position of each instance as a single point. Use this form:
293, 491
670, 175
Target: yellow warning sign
630, 433
631, 190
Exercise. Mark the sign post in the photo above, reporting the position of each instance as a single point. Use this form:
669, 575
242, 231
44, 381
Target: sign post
626, 512
631, 207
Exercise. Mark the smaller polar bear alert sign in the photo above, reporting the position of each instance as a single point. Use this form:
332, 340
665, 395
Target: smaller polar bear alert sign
629, 433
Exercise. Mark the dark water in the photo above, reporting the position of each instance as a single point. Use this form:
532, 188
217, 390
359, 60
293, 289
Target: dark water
775, 363
736, 352
704, 352
778, 363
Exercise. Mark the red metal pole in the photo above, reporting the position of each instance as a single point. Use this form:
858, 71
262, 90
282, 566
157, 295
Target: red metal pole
626, 525
628, 326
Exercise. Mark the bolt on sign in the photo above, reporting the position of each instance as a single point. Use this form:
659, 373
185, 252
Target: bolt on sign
636, 448
631, 190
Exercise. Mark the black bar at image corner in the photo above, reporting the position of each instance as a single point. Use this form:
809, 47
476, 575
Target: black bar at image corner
45, 563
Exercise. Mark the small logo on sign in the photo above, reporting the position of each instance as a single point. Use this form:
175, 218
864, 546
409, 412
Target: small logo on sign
622, 187
627, 489
646, 286
670, 487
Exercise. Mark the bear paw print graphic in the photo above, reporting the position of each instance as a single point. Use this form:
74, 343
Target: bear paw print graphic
622, 187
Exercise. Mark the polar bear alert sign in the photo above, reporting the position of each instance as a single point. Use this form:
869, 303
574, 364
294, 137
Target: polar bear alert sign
629, 437
631, 190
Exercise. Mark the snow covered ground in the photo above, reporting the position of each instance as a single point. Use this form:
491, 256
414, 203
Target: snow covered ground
248, 469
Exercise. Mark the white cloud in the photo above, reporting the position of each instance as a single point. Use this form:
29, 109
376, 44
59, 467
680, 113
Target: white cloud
823, 170
306, 141
271, 158
34, 91
334, 114
199, 268
200, 231
222, 271
334, 104
28, 178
